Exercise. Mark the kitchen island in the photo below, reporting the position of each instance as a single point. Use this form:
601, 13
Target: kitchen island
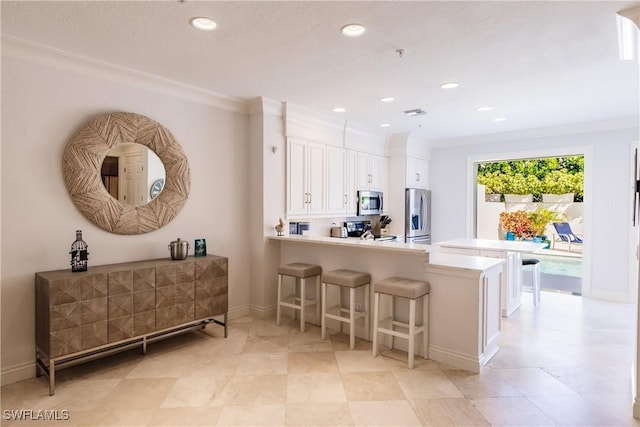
509, 250
464, 307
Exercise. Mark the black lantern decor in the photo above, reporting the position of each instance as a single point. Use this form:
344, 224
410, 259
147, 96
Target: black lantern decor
79, 254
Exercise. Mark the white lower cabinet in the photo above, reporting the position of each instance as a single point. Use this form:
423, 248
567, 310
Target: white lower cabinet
511, 286
464, 315
512, 279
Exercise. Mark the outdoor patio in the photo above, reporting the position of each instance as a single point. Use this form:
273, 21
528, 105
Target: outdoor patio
560, 270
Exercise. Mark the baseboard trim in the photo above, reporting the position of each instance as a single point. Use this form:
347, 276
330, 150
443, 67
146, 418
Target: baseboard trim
17, 373
262, 312
458, 360
238, 312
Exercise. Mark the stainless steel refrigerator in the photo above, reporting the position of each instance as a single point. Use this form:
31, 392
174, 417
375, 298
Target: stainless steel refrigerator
417, 216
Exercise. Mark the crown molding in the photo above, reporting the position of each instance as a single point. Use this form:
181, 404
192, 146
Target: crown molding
24, 50
260, 105
576, 128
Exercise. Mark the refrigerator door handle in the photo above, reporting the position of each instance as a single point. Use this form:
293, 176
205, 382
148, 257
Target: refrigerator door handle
423, 214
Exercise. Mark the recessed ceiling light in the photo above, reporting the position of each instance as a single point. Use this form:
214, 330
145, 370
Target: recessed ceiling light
339, 110
499, 119
387, 99
385, 125
449, 85
205, 24
481, 109
353, 30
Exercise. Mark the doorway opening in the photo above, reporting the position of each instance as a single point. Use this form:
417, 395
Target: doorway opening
536, 199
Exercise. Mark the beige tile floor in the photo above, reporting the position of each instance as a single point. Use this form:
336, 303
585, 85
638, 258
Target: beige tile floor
566, 362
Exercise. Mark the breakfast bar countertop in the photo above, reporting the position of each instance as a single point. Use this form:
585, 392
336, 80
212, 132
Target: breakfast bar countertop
488, 244
440, 261
434, 259
397, 246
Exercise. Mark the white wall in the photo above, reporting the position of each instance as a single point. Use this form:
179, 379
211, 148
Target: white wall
45, 100
607, 204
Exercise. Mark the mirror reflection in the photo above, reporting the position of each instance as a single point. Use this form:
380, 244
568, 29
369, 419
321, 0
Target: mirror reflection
133, 174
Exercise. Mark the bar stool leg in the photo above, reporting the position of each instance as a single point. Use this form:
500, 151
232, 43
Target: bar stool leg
536, 284
376, 304
425, 325
296, 284
278, 309
366, 312
412, 331
352, 318
340, 305
302, 302
318, 300
393, 316
323, 321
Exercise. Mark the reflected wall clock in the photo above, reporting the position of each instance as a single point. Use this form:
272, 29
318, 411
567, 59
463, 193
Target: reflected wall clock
156, 188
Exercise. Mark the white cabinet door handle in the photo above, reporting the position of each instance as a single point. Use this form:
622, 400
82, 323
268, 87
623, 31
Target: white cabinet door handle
417, 177
345, 200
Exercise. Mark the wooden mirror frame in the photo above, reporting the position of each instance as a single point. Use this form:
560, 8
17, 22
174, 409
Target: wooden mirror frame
82, 163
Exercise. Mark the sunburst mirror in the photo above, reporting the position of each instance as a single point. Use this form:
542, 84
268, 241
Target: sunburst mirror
126, 208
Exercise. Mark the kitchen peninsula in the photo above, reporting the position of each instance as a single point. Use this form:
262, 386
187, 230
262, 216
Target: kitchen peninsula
464, 307
509, 250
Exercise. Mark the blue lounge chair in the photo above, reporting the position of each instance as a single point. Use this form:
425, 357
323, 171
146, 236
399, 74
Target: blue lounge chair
565, 234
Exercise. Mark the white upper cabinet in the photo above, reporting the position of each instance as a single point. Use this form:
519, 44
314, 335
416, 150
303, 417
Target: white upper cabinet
417, 173
371, 172
317, 180
323, 180
352, 182
305, 177
336, 180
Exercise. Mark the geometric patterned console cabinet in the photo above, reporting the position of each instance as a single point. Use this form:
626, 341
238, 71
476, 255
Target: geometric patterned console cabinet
111, 308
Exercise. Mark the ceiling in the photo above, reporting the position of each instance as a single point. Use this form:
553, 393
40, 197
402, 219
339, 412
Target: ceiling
538, 64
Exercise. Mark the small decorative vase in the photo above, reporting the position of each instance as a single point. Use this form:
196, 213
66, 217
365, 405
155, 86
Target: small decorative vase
79, 254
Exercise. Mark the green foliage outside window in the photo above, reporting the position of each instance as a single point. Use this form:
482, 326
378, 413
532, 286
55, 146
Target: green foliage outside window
554, 175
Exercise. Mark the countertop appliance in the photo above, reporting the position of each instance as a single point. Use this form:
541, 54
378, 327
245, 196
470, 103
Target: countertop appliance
384, 237
357, 228
417, 216
370, 203
339, 232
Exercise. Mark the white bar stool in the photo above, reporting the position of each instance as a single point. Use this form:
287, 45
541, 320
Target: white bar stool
300, 272
398, 287
535, 285
352, 280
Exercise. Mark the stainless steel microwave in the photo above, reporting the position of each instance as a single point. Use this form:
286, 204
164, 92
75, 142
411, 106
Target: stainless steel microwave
370, 202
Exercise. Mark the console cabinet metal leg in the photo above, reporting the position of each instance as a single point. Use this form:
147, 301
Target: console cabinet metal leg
112, 308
